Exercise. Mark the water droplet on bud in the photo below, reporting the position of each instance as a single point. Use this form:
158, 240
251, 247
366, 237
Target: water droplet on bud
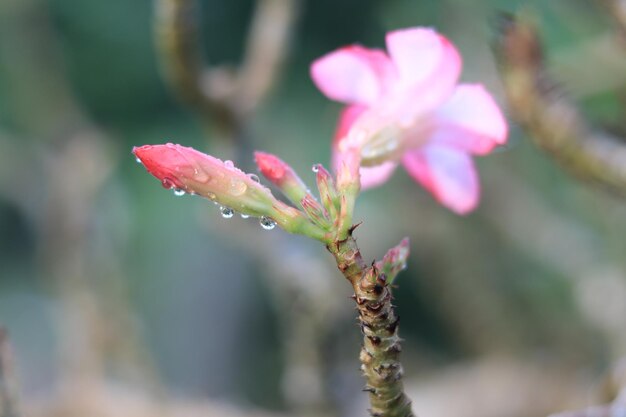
244, 216
200, 175
228, 163
267, 223
237, 187
227, 212
137, 160
316, 168
167, 183
254, 177
178, 192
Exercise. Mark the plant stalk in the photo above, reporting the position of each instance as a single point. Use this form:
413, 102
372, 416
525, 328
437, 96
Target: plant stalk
380, 352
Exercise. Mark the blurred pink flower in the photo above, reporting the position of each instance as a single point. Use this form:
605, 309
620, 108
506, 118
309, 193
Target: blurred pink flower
406, 106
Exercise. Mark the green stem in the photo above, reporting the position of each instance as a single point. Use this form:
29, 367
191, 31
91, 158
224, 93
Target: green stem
380, 353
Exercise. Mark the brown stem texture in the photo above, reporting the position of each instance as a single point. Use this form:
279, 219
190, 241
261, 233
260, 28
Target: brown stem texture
380, 353
550, 118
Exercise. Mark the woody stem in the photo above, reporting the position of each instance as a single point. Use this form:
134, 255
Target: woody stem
380, 352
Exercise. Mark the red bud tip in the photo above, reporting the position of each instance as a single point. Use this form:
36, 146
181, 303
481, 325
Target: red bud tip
272, 167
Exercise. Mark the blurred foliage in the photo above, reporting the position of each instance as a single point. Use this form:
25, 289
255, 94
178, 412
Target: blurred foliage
506, 280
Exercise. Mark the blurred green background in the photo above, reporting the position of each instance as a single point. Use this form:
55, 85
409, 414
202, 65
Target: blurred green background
107, 279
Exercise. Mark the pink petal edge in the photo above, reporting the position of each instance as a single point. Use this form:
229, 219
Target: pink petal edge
421, 54
448, 174
377, 175
352, 74
347, 117
429, 66
471, 121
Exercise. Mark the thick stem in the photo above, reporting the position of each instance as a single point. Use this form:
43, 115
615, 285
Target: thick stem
380, 353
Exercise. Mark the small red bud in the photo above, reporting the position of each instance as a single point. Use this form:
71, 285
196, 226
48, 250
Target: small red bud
272, 167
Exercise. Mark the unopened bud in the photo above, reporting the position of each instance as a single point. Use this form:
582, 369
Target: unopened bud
394, 260
348, 177
282, 176
315, 211
188, 170
327, 190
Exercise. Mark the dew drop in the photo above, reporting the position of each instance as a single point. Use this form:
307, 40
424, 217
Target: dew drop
316, 168
137, 160
254, 177
237, 187
211, 196
167, 183
200, 176
227, 212
267, 223
228, 163
244, 216
178, 192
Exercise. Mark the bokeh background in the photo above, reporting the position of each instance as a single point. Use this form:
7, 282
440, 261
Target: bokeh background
122, 299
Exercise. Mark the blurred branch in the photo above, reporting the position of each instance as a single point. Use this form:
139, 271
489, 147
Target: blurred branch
617, 10
219, 95
550, 118
267, 44
8, 384
178, 41
57, 179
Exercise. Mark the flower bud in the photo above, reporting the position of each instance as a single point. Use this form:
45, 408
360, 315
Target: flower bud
282, 175
187, 170
394, 260
328, 192
316, 212
348, 171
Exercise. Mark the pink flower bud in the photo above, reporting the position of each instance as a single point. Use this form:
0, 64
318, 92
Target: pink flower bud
282, 175
187, 170
193, 172
394, 260
272, 167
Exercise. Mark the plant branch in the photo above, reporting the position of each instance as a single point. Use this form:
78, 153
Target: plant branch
380, 353
178, 41
224, 96
266, 46
550, 118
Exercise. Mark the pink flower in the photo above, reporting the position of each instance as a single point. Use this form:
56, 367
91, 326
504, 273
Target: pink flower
406, 107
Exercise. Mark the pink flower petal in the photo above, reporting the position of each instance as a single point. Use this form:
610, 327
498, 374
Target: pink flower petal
347, 117
370, 176
447, 173
421, 54
470, 120
429, 67
377, 175
352, 74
